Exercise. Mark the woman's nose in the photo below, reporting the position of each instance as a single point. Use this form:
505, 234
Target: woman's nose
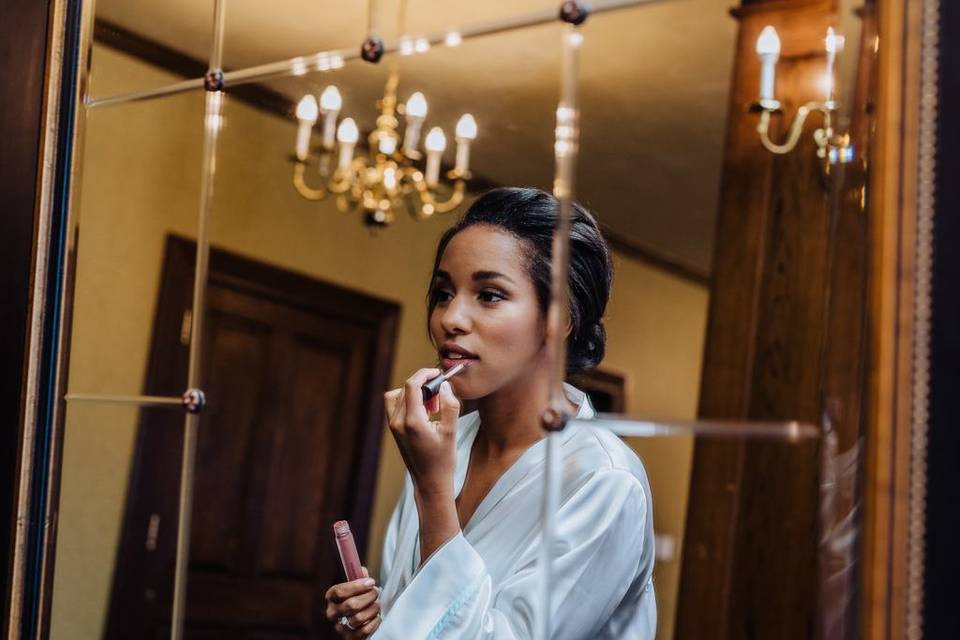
455, 317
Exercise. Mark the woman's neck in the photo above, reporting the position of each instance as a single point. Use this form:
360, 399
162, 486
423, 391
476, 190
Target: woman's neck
510, 418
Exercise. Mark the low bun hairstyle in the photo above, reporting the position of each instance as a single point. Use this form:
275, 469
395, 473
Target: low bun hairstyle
531, 216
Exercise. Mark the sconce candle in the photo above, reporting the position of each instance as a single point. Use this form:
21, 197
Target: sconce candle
768, 48
435, 144
347, 136
416, 112
330, 104
834, 45
466, 132
307, 112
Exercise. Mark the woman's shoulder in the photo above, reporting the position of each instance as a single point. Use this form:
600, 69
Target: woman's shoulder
590, 451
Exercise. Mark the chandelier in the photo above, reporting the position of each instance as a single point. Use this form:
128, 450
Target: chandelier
387, 176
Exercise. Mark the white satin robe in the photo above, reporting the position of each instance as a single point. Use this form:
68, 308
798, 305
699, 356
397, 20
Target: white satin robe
482, 583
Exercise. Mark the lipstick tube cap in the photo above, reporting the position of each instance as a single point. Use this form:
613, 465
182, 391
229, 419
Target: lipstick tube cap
432, 387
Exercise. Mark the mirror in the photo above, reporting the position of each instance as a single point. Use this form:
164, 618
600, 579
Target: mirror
313, 313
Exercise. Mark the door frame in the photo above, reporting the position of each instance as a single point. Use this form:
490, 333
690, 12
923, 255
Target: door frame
275, 284
309, 293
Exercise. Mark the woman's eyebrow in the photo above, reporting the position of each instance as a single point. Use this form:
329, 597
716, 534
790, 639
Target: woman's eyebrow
490, 275
440, 274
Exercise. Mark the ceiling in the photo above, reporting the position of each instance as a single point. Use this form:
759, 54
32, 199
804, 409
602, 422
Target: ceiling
654, 82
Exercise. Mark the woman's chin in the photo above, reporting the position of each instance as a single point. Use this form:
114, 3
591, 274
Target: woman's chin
464, 390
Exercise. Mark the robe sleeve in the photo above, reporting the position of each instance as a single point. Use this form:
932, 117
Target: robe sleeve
390, 538
600, 532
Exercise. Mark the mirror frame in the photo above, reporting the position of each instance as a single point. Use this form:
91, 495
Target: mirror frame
901, 248
902, 208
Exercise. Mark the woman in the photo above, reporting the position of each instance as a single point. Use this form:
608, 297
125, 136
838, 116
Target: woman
461, 550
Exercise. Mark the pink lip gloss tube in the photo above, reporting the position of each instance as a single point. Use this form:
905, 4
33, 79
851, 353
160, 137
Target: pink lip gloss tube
348, 550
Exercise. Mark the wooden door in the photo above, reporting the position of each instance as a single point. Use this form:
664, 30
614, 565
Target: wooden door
289, 441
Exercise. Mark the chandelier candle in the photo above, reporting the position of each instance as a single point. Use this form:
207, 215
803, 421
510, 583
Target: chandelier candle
465, 132
834, 44
416, 112
432, 387
307, 112
347, 136
435, 144
349, 557
330, 104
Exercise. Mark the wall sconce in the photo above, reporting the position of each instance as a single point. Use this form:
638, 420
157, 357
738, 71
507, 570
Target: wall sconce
832, 147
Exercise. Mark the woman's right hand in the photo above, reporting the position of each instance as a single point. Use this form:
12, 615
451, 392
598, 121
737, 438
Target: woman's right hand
359, 602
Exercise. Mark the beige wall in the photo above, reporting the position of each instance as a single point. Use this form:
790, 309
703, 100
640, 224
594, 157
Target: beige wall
140, 182
655, 328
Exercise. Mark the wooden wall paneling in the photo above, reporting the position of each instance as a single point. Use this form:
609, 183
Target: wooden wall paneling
750, 566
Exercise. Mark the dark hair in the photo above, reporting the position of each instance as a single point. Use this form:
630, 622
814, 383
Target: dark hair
531, 216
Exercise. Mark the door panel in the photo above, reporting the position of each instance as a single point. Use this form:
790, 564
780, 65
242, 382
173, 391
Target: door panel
293, 369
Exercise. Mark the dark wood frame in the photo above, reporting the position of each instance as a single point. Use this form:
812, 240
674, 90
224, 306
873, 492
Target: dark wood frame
605, 381
44, 73
167, 368
24, 30
891, 305
42, 27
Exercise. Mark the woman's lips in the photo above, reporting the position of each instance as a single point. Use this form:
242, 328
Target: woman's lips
448, 362
451, 354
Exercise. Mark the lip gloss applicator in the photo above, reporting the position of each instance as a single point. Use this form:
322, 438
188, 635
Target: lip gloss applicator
432, 386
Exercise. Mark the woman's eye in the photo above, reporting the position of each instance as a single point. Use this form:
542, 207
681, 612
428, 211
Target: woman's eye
439, 295
491, 296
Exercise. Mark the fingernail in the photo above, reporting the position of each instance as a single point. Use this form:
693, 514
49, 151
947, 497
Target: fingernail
368, 582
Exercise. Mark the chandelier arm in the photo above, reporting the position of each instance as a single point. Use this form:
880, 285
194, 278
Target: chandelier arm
410, 193
446, 206
343, 181
300, 183
340, 187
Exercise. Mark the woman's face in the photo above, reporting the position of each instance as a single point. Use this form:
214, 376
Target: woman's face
487, 308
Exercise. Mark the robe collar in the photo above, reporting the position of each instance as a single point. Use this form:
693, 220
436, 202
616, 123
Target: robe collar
529, 461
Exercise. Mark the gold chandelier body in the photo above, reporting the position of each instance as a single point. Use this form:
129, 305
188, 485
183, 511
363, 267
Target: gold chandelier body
387, 179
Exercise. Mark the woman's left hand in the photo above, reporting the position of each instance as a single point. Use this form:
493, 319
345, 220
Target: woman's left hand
428, 446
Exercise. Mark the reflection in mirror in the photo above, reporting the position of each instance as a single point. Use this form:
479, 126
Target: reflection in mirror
313, 313
136, 189
91, 588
